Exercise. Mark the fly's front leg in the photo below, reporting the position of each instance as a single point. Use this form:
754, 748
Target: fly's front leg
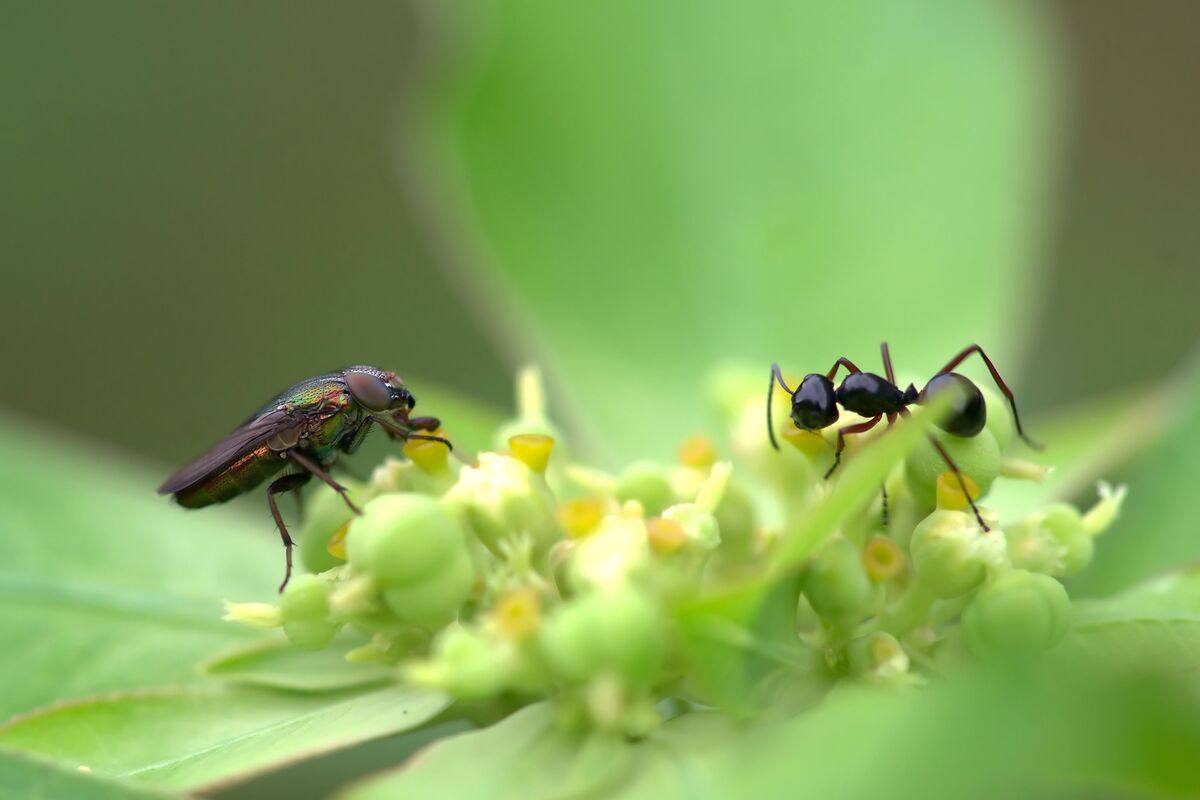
285, 484
428, 424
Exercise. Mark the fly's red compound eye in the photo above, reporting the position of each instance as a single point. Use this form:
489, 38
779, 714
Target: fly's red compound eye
371, 391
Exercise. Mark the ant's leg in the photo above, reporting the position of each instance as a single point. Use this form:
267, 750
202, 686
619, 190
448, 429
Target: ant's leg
311, 467
861, 427
1012, 401
776, 375
285, 484
961, 483
842, 362
883, 491
887, 363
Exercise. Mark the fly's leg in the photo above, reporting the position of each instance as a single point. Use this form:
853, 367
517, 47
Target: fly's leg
428, 424
313, 468
285, 484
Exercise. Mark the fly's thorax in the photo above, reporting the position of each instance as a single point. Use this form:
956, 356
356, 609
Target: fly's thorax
328, 431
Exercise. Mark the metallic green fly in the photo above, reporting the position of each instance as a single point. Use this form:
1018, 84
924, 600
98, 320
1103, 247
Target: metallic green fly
301, 432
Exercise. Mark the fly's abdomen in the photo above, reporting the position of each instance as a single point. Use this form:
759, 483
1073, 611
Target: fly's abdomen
240, 476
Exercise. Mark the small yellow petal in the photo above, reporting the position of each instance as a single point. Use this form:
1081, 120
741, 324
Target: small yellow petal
883, 559
580, 516
810, 443
428, 456
337, 542
665, 535
531, 449
950, 494
698, 451
519, 613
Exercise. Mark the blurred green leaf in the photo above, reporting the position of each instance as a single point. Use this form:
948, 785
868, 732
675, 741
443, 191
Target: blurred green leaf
1156, 622
196, 738
992, 735
279, 665
529, 755
107, 585
696, 181
25, 778
1156, 530
1085, 444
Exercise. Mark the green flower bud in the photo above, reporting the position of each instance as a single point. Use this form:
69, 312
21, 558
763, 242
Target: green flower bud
976, 456
1017, 613
1065, 524
1031, 546
1054, 542
436, 600
324, 513
305, 609
649, 484
417, 553
878, 656
737, 517
951, 554
696, 519
619, 630
999, 417
502, 497
837, 584
617, 550
465, 663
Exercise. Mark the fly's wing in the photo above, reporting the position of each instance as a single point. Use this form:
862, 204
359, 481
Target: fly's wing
244, 439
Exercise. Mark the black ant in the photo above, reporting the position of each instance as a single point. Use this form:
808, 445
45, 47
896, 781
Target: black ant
815, 402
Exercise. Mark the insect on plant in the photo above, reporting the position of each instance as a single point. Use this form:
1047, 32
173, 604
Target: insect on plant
301, 432
815, 405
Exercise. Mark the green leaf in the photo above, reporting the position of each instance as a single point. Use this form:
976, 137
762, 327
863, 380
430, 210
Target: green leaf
527, 755
959, 738
107, 585
1156, 529
25, 778
197, 738
696, 181
279, 665
1157, 622
1087, 443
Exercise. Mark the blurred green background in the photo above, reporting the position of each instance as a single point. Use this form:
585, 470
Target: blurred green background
201, 203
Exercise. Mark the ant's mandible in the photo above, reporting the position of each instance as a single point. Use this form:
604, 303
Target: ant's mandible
815, 405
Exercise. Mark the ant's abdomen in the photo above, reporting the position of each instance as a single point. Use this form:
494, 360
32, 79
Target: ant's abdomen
968, 410
868, 395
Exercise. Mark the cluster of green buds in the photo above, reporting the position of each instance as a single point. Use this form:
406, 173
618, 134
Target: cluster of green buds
525, 574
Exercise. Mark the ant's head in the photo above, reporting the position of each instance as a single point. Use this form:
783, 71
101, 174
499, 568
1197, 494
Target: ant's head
814, 404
